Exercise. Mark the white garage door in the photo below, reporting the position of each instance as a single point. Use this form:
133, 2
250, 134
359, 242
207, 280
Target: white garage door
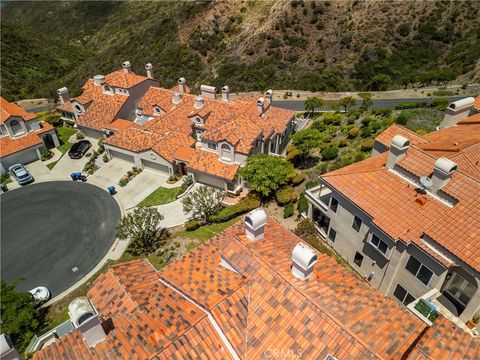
155, 166
122, 156
24, 157
208, 180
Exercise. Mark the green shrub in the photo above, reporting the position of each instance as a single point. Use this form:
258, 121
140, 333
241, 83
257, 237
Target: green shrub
319, 125
439, 104
105, 158
358, 157
312, 183
286, 196
45, 153
329, 153
191, 225
302, 203
366, 145
343, 143
402, 119
332, 119
80, 135
288, 211
5, 177
426, 310
382, 112
353, 132
305, 229
248, 203
298, 179
366, 131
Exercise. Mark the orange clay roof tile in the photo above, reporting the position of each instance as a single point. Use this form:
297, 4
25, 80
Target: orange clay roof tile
9, 146
386, 136
9, 109
122, 79
474, 119
208, 162
119, 124
477, 103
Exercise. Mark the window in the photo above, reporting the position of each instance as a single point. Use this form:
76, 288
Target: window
157, 110
403, 295
78, 108
212, 146
198, 120
420, 271
226, 152
357, 223
358, 258
16, 127
272, 146
379, 244
332, 234
333, 204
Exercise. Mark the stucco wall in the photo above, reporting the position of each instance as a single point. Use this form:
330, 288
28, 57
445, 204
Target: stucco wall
146, 155
136, 93
23, 157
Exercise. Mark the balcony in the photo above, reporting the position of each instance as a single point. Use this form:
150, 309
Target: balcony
319, 196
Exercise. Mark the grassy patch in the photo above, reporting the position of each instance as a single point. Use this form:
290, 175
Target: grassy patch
5, 178
423, 120
52, 165
206, 232
64, 133
161, 196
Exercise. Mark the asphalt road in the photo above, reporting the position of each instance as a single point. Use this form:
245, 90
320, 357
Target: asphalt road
54, 233
380, 103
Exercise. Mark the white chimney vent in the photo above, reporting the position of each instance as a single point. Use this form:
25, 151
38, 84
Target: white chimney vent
127, 67
442, 173
63, 95
269, 96
182, 85
139, 112
255, 222
260, 103
398, 148
98, 80
462, 104
225, 93
198, 102
177, 97
149, 70
208, 91
85, 318
304, 260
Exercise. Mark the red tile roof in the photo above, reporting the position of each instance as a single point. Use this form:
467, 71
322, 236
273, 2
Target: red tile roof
208, 162
386, 136
477, 103
121, 79
9, 109
119, 124
391, 202
474, 119
9, 146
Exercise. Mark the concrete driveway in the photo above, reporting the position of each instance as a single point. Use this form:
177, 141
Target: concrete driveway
66, 166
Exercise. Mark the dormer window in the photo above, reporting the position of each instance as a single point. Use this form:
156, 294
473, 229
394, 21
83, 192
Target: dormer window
212, 146
78, 108
198, 120
107, 89
157, 110
16, 127
226, 152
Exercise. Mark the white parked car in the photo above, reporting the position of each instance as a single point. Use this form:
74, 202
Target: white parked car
40, 295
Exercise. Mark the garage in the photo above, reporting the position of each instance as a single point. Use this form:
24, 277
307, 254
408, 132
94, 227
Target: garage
207, 179
22, 157
155, 166
122, 156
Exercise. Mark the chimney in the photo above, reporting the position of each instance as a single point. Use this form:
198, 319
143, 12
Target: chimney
260, 103
198, 102
63, 95
269, 97
127, 67
398, 149
225, 93
85, 319
303, 261
255, 222
149, 70
139, 112
182, 85
98, 80
442, 173
177, 97
7, 350
208, 91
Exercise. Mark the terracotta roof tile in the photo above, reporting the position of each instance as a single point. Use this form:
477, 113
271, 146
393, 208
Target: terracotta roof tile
474, 119
477, 103
9, 146
386, 136
119, 124
122, 79
9, 109
208, 162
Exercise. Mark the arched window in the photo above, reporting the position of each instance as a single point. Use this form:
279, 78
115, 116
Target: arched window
157, 110
226, 152
16, 127
107, 89
78, 108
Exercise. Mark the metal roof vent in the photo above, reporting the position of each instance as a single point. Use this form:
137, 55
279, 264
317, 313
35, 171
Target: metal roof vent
260, 103
7, 350
139, 112
84, 318
255, 222
198, 102
98, 80
177, 97
182, 85
225, 93
304, 260
269, 96
208, 91
398, 148
149, 70
127, 67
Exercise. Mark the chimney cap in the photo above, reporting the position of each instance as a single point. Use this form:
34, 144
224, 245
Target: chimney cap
149, 66
445, 166
256, 218
269, 93
62, 90
181, 80
400, 142
126, 64
177, 97
303, 256
260, 101
198, 102
225, 89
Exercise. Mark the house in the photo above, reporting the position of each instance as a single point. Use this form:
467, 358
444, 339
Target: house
173, 131
22, 136
253, 291
407, 218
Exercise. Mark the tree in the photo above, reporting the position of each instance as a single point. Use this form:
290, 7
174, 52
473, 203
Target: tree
142, 228
203, 202
329, 153
266, 173
313, 103
347, 102
306, 140
367, 101
19, 316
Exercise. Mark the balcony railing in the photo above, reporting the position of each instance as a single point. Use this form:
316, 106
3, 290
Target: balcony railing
320, 196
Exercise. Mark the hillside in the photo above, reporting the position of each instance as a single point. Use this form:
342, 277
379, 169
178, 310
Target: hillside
331, 46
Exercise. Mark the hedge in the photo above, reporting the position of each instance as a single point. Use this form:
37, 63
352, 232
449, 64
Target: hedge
298, 179
302, 203
286, 196
288, 211
245, 205
191, 225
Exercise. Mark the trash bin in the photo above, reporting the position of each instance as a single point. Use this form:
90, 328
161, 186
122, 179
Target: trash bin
111, 190
73, 176
4, 187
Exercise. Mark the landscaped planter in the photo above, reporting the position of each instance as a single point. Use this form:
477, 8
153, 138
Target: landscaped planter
129, 176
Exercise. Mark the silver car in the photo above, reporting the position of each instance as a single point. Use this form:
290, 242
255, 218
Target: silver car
20, 174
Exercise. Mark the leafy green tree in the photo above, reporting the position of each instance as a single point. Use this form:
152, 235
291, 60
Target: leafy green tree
367, 101
305, 141
266, 173
203, 202
329, 153
19, 318
313, 103
142, 228
347, 102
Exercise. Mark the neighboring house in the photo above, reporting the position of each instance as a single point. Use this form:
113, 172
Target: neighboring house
253, 291
461, 109
408, 217
105, 100
22, 136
